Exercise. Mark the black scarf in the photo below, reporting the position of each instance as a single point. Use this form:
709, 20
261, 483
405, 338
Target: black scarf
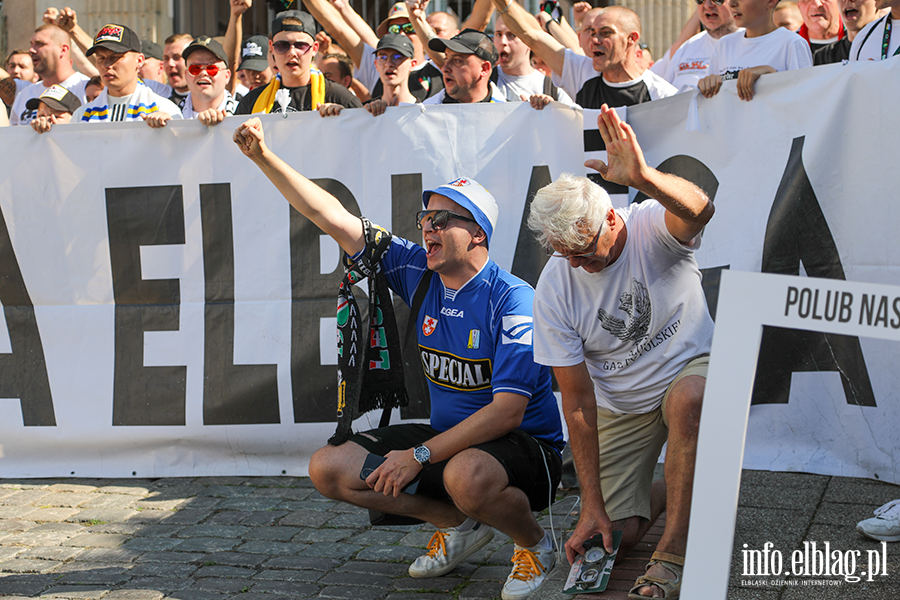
374, 378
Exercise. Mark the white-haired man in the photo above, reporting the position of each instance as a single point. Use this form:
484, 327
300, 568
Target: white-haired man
621, 317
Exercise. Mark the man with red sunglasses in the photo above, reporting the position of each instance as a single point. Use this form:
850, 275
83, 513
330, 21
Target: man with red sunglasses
298, 86
207, 76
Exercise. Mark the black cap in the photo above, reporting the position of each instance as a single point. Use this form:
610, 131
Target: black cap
56, 97
468, 41
204, 42
253, 53
151, 49
117, 38
398, 42
306, 23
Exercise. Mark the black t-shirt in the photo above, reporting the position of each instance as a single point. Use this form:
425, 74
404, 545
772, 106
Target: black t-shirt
301, 99
423, 83
178, 99
833, 53
596, 92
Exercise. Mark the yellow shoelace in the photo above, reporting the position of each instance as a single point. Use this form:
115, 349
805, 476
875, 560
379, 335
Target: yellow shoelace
436, 543
526, 565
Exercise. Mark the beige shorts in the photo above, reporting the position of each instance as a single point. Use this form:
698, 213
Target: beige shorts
629, 450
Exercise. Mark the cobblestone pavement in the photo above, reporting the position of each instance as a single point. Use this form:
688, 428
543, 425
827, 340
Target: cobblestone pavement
246, 538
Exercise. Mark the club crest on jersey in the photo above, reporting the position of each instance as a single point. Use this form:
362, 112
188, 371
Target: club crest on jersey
517, 329
474, 339
429, 325
461, 182
110, 33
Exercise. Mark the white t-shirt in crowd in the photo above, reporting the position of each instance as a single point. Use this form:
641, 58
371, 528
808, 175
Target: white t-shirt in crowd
635, 324
591, 90
783, 50
688, 66
118, 106
867, 43
20, 115
514, 86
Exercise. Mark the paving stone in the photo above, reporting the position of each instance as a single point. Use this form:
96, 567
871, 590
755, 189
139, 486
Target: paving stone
317, 535
417, 596
375, 536
150, 544
107, 555
288, 575
392, 570
58, 553
271, 548
97, 540
225, 480
231, 586
63, 527
164, 585
128, 490
157, 530
307, 518
263, 518
72, 487
196, 595
12, 525
418, 539
277, 534
362, 579
285, 588
171, 557
224, 572
24, 497
331, 550
44, 515
356, 593
7, 552
76, 566
102, 514
249, 504
155, 503
315, 563
107, 577
26, 585
226, 491
109, 501
28, 565
14, 512
227, 517
491, 573
480, 590
314, 505
236, 559
36, 538
202, 503
350, 520
389, 553
283, 493
161, 570
220, 531
80, 592
66, 499
432, 584
206, 544
133, 595
186, 516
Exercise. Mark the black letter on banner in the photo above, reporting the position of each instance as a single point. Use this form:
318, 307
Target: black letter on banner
144, 216
700, 175
406, 200
232, 394
530, 257
23, 374
593, 142
314, 385
798, 232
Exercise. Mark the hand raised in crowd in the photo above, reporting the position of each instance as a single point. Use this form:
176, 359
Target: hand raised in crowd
211, 116
538, 101
65, 19
249, 138
239, 7
324, 43
157, 120
625, 161
578, 11
340, 5
710, 85
417, 7
747, 79
329, 109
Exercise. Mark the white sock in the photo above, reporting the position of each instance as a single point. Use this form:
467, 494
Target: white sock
466, 525
545, 544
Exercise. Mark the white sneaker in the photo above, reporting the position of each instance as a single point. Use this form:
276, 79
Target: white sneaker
530, 569
449, 547
885, 525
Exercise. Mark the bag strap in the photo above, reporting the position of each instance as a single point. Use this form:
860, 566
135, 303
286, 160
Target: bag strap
418, 299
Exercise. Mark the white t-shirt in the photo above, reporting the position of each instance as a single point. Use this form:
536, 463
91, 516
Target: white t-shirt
513, 86
867, 43
496, 96
688, 66
783, 50
635, 324
20, 115
578, 80
118, 106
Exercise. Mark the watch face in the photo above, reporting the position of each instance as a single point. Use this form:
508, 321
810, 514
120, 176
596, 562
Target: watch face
422, 454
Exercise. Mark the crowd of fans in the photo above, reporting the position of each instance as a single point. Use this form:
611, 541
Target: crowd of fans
329, 58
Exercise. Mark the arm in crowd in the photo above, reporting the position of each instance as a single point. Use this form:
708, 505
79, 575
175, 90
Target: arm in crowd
688, 209
578, 11
67, 20
7, 88
710, 85
233, 38
310, 200
560, 30
690, 29
333, 21
416, 11
480, 17
526, 28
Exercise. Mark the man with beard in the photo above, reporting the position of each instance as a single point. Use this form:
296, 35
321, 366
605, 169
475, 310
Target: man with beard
688, 65
50, 52
470, 57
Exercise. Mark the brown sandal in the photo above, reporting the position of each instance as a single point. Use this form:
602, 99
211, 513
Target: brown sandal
671, 588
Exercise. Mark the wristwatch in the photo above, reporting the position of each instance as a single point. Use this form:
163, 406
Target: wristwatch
422, 455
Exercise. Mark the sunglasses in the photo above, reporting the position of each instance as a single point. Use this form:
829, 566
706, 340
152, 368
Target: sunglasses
716, 2
197, 70
552, 253
438, 218
405, 28
283, 46
395, 59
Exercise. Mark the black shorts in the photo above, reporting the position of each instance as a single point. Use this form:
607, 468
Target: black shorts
522, 456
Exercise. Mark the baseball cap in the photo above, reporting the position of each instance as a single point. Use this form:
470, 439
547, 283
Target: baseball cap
204, 42
151, 49
472, 196
307, 23
56, 97
398, 42
253, 53
468, 41
398, 11
117, 38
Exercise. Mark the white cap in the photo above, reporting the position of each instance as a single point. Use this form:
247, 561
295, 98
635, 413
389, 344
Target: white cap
472, 196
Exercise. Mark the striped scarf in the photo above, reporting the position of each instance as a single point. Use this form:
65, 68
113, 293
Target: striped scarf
142, 102
228, 104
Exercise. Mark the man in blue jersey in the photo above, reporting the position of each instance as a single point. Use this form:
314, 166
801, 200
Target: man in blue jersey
491, 453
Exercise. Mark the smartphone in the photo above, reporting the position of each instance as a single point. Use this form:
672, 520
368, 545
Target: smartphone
373, 461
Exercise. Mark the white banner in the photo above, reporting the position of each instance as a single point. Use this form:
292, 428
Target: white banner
168, 314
